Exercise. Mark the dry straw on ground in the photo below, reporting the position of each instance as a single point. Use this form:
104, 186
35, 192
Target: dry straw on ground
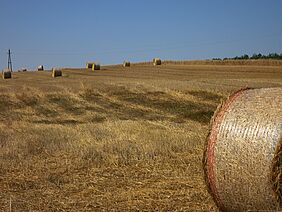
6, 74
126, 63
243, 149
157, 61
260, 62
68, 144
56, 72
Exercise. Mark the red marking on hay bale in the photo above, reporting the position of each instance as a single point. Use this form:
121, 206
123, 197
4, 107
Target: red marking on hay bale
211, 143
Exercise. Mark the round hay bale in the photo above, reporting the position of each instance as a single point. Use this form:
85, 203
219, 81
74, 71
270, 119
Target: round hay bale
93, 66
157, 61
56, 72
40, 68
90, 65
6, 74
22, 70
126, 64
96, 67
276, 177
242, 158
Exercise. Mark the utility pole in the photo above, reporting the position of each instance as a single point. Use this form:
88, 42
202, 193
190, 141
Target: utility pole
10, 67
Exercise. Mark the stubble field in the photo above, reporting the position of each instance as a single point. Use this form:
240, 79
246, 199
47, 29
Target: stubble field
118, 139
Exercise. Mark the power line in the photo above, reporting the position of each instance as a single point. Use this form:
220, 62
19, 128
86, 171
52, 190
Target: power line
10, 67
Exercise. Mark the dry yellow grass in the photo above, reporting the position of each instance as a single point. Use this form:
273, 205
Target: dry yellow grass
113, 140
259, 62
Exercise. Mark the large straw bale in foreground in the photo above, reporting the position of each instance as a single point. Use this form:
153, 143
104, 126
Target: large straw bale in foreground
243, 155
56, 72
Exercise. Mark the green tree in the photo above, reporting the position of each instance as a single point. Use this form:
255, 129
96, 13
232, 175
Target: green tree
245, 57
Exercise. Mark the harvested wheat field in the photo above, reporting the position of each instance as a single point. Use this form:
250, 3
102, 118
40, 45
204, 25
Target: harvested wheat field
114, 140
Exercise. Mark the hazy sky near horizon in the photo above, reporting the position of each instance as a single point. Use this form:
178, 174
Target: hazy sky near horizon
68, 33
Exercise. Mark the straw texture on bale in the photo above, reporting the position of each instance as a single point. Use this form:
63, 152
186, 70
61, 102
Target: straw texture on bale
56, 72
276, 177
126, 64
6, 74
40, 68
243, 155
157, 61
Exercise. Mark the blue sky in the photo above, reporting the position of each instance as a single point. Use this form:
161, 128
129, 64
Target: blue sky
70, 32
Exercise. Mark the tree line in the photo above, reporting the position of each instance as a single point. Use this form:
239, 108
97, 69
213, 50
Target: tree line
275, 56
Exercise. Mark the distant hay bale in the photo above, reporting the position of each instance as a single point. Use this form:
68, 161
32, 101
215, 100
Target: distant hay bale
56, 72
22, 70
93, 66
243, 154
89, 65
157, 61
97, 66
6, 74
40, 68
126, 63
